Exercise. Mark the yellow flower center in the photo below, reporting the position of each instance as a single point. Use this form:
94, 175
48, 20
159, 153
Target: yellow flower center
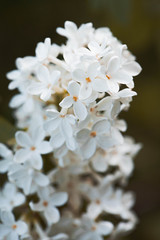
14, 226
88, 79
33, 148
45, 203
108, 77
93, 134
75, 98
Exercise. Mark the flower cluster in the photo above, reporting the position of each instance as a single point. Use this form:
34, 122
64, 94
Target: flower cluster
70, 161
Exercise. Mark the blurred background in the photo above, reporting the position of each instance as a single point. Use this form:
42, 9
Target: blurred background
23, 23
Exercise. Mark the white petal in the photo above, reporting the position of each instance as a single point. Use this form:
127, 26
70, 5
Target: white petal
51, 125
89, 148
79, 75
85, 91
126, 93
66, 128
17, 100
52, 215
57, 140
7, 218
100, 164
113, 86
38, 135
104, 228
132, 68
59, 199
94, 210
92, 70
105, 142
52, 113
55, 75
41, 179
73, 88
46, 94
80, 110
4, 151
12, 235
66, 102
42, 49
113, 65
102, 126
71, 143
105, 104
21, 227
38, 207
23, 139
44, 147
127, 165
36, 161
22, 155
9, 190
43, 74
4, 230
100, 85
70, 27
36, 88
60, 236
83, 134
94, 46
20, 199
122, 77
4, 165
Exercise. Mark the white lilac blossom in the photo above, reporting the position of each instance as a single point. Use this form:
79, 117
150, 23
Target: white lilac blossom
48, 203
70, 159
11, 229
10, 197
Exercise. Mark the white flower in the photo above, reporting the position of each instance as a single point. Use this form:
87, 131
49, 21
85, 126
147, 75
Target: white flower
10, 198
79, 108
90, 80
45, 86
26, 178
32, 146
115, 75
100, 160
26, 68
10, 229
77, 37
60, 119
7, 158
42, 49
97, 136
59, 126
91, 230
48, 203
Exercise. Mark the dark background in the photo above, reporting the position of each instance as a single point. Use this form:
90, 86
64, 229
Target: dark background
23, 23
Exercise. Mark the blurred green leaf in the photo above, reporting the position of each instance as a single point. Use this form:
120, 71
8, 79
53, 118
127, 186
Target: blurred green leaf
7, 130
119, 9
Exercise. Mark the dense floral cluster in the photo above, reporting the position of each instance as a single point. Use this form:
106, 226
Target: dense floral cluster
69, 162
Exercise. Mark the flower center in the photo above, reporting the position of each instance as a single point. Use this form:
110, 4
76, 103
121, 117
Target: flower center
98, 201
45, 203
108, 77
88, 79
32, 148
93, 228
93, 134
14, 226
75, 98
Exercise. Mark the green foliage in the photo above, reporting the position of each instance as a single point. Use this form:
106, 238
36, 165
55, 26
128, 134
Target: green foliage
7, 130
